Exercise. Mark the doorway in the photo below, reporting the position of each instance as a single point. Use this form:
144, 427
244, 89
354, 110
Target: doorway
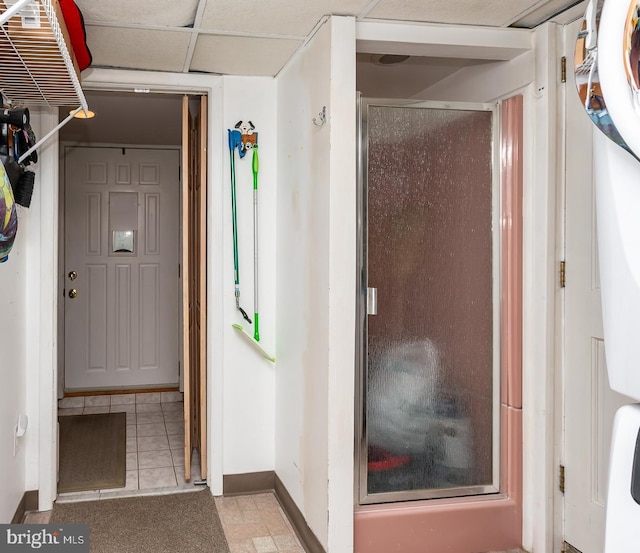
430, 301
135, 202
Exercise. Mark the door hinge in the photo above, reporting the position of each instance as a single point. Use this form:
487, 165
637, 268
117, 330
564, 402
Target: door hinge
561, 483
179, 270
563, 69
563, 274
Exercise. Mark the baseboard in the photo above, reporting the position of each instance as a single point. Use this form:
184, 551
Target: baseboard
306, 536
29, 502
251, 482
268, 481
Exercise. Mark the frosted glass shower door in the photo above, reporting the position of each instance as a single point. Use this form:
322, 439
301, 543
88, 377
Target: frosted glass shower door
430, 354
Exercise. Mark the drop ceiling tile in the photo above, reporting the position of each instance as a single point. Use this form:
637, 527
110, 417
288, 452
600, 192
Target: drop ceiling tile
494, 13
281, 17
233, 55
167, 13
138, 48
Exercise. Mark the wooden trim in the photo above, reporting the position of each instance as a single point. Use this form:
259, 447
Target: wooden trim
306, 536
29, 502
185, 287
202, 262
248, 483
118, 392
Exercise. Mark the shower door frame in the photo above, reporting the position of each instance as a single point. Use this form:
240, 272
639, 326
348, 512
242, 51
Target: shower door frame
362, 496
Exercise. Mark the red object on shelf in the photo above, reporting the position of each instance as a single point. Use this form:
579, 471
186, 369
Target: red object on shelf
77, 33
380, 459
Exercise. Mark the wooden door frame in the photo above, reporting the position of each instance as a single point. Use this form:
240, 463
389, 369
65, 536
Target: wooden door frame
189, 157
43, 382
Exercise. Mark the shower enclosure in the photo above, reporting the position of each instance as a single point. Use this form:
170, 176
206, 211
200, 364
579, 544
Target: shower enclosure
429, 307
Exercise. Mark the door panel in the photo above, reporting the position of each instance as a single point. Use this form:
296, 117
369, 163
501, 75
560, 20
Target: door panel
121, 238
589, 402
432, 360
194, 282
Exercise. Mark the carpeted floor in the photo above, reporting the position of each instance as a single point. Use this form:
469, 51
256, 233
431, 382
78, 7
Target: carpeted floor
92, 452
176, 523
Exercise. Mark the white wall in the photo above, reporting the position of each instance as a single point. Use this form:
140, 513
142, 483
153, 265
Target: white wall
483, 83
13, 341
249, 379
316, 282
27, 304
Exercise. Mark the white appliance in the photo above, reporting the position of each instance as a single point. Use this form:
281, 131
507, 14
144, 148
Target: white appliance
617, 174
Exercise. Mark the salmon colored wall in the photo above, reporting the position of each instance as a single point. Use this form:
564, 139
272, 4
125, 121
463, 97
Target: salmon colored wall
471, 525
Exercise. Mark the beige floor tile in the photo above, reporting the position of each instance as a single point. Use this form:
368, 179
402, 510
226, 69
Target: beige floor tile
266, 501
151, 429
123, 399
132, 445
174, 428
236, 532
148, 408
176, 441
132, 430
173, 407
131, 418
149, 418
156, 478
153, 397
152, 443
242, 546
95, 410
97, 401
132, 460
132, 480
70, 411
275, 523
124, 408
246, 503
154, 459
178, 457
71, 402
171, 397
288, 541
173, 416
264, 544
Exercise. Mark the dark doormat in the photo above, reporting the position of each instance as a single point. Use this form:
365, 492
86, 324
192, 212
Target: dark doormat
176, 523
93, 452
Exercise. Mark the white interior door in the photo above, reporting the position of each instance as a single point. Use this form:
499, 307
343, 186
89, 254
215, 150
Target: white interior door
121, 267
589, 402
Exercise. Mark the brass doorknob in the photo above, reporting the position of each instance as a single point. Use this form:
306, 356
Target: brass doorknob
73, 293
73, 275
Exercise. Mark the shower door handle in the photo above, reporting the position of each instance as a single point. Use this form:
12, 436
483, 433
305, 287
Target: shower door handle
372, 301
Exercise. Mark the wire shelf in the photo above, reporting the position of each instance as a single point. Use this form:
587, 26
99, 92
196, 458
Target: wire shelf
36, 66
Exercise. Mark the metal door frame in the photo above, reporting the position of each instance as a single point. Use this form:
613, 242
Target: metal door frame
361, 495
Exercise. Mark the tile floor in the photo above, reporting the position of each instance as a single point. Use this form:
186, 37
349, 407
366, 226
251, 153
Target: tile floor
155, 440
256, 524
155, 464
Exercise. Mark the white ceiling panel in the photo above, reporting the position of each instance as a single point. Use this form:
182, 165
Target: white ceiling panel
494, 13
138, 48
281, 17
234, 55
166, 13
